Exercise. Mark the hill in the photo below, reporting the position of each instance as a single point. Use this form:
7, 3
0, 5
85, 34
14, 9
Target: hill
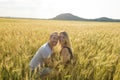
69, 16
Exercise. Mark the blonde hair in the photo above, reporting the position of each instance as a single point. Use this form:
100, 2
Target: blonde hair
67, 40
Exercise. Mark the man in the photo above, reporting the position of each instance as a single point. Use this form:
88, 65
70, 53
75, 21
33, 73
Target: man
43, 55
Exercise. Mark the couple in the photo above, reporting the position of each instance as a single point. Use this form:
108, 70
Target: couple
42, 60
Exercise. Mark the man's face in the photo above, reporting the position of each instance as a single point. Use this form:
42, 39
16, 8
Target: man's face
54, 40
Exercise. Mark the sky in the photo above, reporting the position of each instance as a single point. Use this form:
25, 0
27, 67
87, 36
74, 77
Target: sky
46, 9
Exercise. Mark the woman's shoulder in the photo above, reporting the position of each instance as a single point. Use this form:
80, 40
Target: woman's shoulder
64, 49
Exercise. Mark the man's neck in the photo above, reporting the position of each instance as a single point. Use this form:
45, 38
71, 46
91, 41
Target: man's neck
51, 47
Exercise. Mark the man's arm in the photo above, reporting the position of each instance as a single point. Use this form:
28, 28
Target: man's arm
51, 63
48, 62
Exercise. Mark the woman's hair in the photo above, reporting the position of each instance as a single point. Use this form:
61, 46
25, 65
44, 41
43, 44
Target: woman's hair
67, 41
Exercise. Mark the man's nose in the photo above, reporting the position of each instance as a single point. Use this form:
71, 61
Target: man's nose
55, 39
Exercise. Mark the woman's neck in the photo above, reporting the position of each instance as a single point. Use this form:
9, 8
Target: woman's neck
63, 46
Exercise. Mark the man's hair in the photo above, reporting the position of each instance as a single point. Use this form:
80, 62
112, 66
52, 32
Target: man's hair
54, 34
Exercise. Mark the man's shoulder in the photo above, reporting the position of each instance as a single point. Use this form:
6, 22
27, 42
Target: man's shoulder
45, 48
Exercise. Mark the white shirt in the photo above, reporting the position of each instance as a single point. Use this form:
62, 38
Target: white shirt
43, 52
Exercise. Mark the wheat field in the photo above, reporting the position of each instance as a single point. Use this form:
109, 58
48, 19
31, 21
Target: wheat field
95, 45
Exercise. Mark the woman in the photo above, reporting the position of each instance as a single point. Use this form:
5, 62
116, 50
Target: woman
66, 52
65, 55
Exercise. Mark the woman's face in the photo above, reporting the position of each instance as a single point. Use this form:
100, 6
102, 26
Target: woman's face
62, 39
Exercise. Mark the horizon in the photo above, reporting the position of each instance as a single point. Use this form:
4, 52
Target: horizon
46, 9
54, 17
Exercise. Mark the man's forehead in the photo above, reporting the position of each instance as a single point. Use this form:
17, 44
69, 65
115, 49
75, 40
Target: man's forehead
55, 34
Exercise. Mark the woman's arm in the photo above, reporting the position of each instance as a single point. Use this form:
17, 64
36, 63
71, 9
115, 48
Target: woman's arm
65, 55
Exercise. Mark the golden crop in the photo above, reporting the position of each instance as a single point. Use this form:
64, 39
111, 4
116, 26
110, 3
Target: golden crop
96, 48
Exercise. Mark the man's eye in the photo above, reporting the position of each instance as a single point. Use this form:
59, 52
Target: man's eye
54, 38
